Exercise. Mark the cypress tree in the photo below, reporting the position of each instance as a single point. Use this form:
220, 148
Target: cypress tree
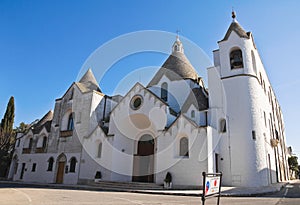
7, 137
7, 122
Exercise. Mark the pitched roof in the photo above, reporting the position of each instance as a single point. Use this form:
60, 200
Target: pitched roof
196, 97
176, 67
235, 26
88, 82
44, 122
177, 118
149, 91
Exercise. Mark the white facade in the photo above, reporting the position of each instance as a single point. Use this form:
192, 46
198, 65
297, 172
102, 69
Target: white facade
172, 125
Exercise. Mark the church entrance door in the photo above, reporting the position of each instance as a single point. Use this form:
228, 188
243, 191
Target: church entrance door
61, 160
143, 163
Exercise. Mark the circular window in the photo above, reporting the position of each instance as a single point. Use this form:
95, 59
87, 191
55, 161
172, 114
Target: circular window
136, 102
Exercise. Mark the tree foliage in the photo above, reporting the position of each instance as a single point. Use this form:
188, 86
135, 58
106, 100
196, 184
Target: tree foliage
7, 122
22, 128
293, 163
7, 137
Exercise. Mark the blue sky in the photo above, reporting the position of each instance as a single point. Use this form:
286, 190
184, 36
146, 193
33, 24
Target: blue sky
43, 44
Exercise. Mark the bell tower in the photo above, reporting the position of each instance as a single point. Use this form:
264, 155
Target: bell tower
236, 51
235, 94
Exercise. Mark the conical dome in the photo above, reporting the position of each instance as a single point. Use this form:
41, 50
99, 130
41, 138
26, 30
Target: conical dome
88, 77
176, 67
88, 82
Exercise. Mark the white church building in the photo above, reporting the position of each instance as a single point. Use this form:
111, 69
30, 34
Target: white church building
175, 124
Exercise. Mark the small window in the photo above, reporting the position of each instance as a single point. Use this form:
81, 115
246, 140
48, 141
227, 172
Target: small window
99, 150
136, 102
184, 147
164, 91
193, 114
18, 143
33, 167
253, 135
222, 126
50, 164
260, 78
236, 59
44, 142
73, 162
71, 122
276, 134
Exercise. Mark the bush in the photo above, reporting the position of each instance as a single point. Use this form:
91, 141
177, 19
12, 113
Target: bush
168, 178
98, 175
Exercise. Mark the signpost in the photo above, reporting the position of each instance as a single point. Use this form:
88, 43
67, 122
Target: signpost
211, 186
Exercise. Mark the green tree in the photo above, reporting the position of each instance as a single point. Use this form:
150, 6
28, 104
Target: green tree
7, 137
7, 122
293, 164
22, 128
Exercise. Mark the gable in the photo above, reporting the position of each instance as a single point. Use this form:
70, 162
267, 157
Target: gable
135, 89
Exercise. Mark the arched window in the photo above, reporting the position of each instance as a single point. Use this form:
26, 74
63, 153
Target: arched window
253, 62
222, 127
44, 142
99, 153
236, 59
184, 147
73, 162
71, 122
50, 164
164, 91
193, 114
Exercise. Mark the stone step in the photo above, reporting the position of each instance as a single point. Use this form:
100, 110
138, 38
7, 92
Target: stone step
127, 185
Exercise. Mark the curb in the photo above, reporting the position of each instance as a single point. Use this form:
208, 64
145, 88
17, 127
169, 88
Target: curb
158, 192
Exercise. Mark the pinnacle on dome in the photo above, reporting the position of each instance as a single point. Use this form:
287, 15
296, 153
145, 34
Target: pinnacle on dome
177, 46
237, 28
233, 15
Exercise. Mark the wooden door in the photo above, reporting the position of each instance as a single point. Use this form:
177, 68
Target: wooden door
144, 161
60, 173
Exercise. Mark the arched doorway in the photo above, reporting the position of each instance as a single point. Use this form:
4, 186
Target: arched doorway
61, 161
143, 161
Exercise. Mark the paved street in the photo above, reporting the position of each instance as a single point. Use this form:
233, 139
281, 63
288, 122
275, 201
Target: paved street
11, 194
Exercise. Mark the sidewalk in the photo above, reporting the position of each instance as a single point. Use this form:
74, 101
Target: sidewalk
226, 191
